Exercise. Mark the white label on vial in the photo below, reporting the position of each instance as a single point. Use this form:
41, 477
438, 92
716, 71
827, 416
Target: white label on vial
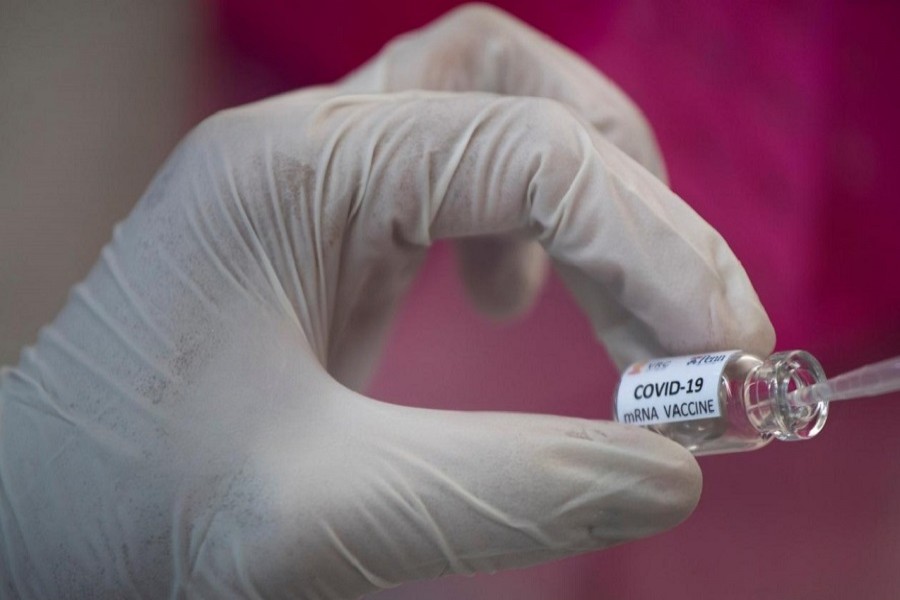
667, 390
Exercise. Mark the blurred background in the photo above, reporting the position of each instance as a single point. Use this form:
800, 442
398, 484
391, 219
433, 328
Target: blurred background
779, 123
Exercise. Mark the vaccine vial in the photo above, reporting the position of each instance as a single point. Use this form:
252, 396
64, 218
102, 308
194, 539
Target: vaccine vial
723, 401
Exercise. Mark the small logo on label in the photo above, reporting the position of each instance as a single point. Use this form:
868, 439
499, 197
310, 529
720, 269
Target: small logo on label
706, 359
636, 368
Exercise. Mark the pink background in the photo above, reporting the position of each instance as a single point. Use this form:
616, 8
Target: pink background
779, 124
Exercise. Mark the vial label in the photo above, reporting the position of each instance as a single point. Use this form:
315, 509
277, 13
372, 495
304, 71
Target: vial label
667, 390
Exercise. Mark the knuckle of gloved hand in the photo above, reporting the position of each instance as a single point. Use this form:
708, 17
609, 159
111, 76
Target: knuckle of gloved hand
212, 132
469, 36
556, 147
233, 128
487, 25
629, 129
551, 128
487, 36
483, 18
213, 126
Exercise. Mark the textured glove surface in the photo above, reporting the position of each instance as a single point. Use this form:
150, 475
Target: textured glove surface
190, 425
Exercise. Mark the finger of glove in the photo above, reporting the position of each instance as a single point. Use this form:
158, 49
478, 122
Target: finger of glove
416, 494
446, 166
678, 258
479, 48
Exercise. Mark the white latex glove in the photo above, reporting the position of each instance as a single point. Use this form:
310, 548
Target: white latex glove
187, 425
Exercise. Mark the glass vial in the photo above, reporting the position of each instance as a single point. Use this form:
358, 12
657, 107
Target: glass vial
723, 401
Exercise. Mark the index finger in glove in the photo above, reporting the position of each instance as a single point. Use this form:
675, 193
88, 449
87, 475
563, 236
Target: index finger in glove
478, 48
481, 48
454, 165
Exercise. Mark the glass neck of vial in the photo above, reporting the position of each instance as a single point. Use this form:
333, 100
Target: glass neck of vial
765, 390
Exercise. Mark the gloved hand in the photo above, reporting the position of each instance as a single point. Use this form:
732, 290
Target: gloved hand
188, 425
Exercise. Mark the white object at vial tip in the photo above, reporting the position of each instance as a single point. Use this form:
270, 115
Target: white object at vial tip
871, 380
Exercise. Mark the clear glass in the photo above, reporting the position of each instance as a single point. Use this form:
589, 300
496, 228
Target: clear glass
752, 394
